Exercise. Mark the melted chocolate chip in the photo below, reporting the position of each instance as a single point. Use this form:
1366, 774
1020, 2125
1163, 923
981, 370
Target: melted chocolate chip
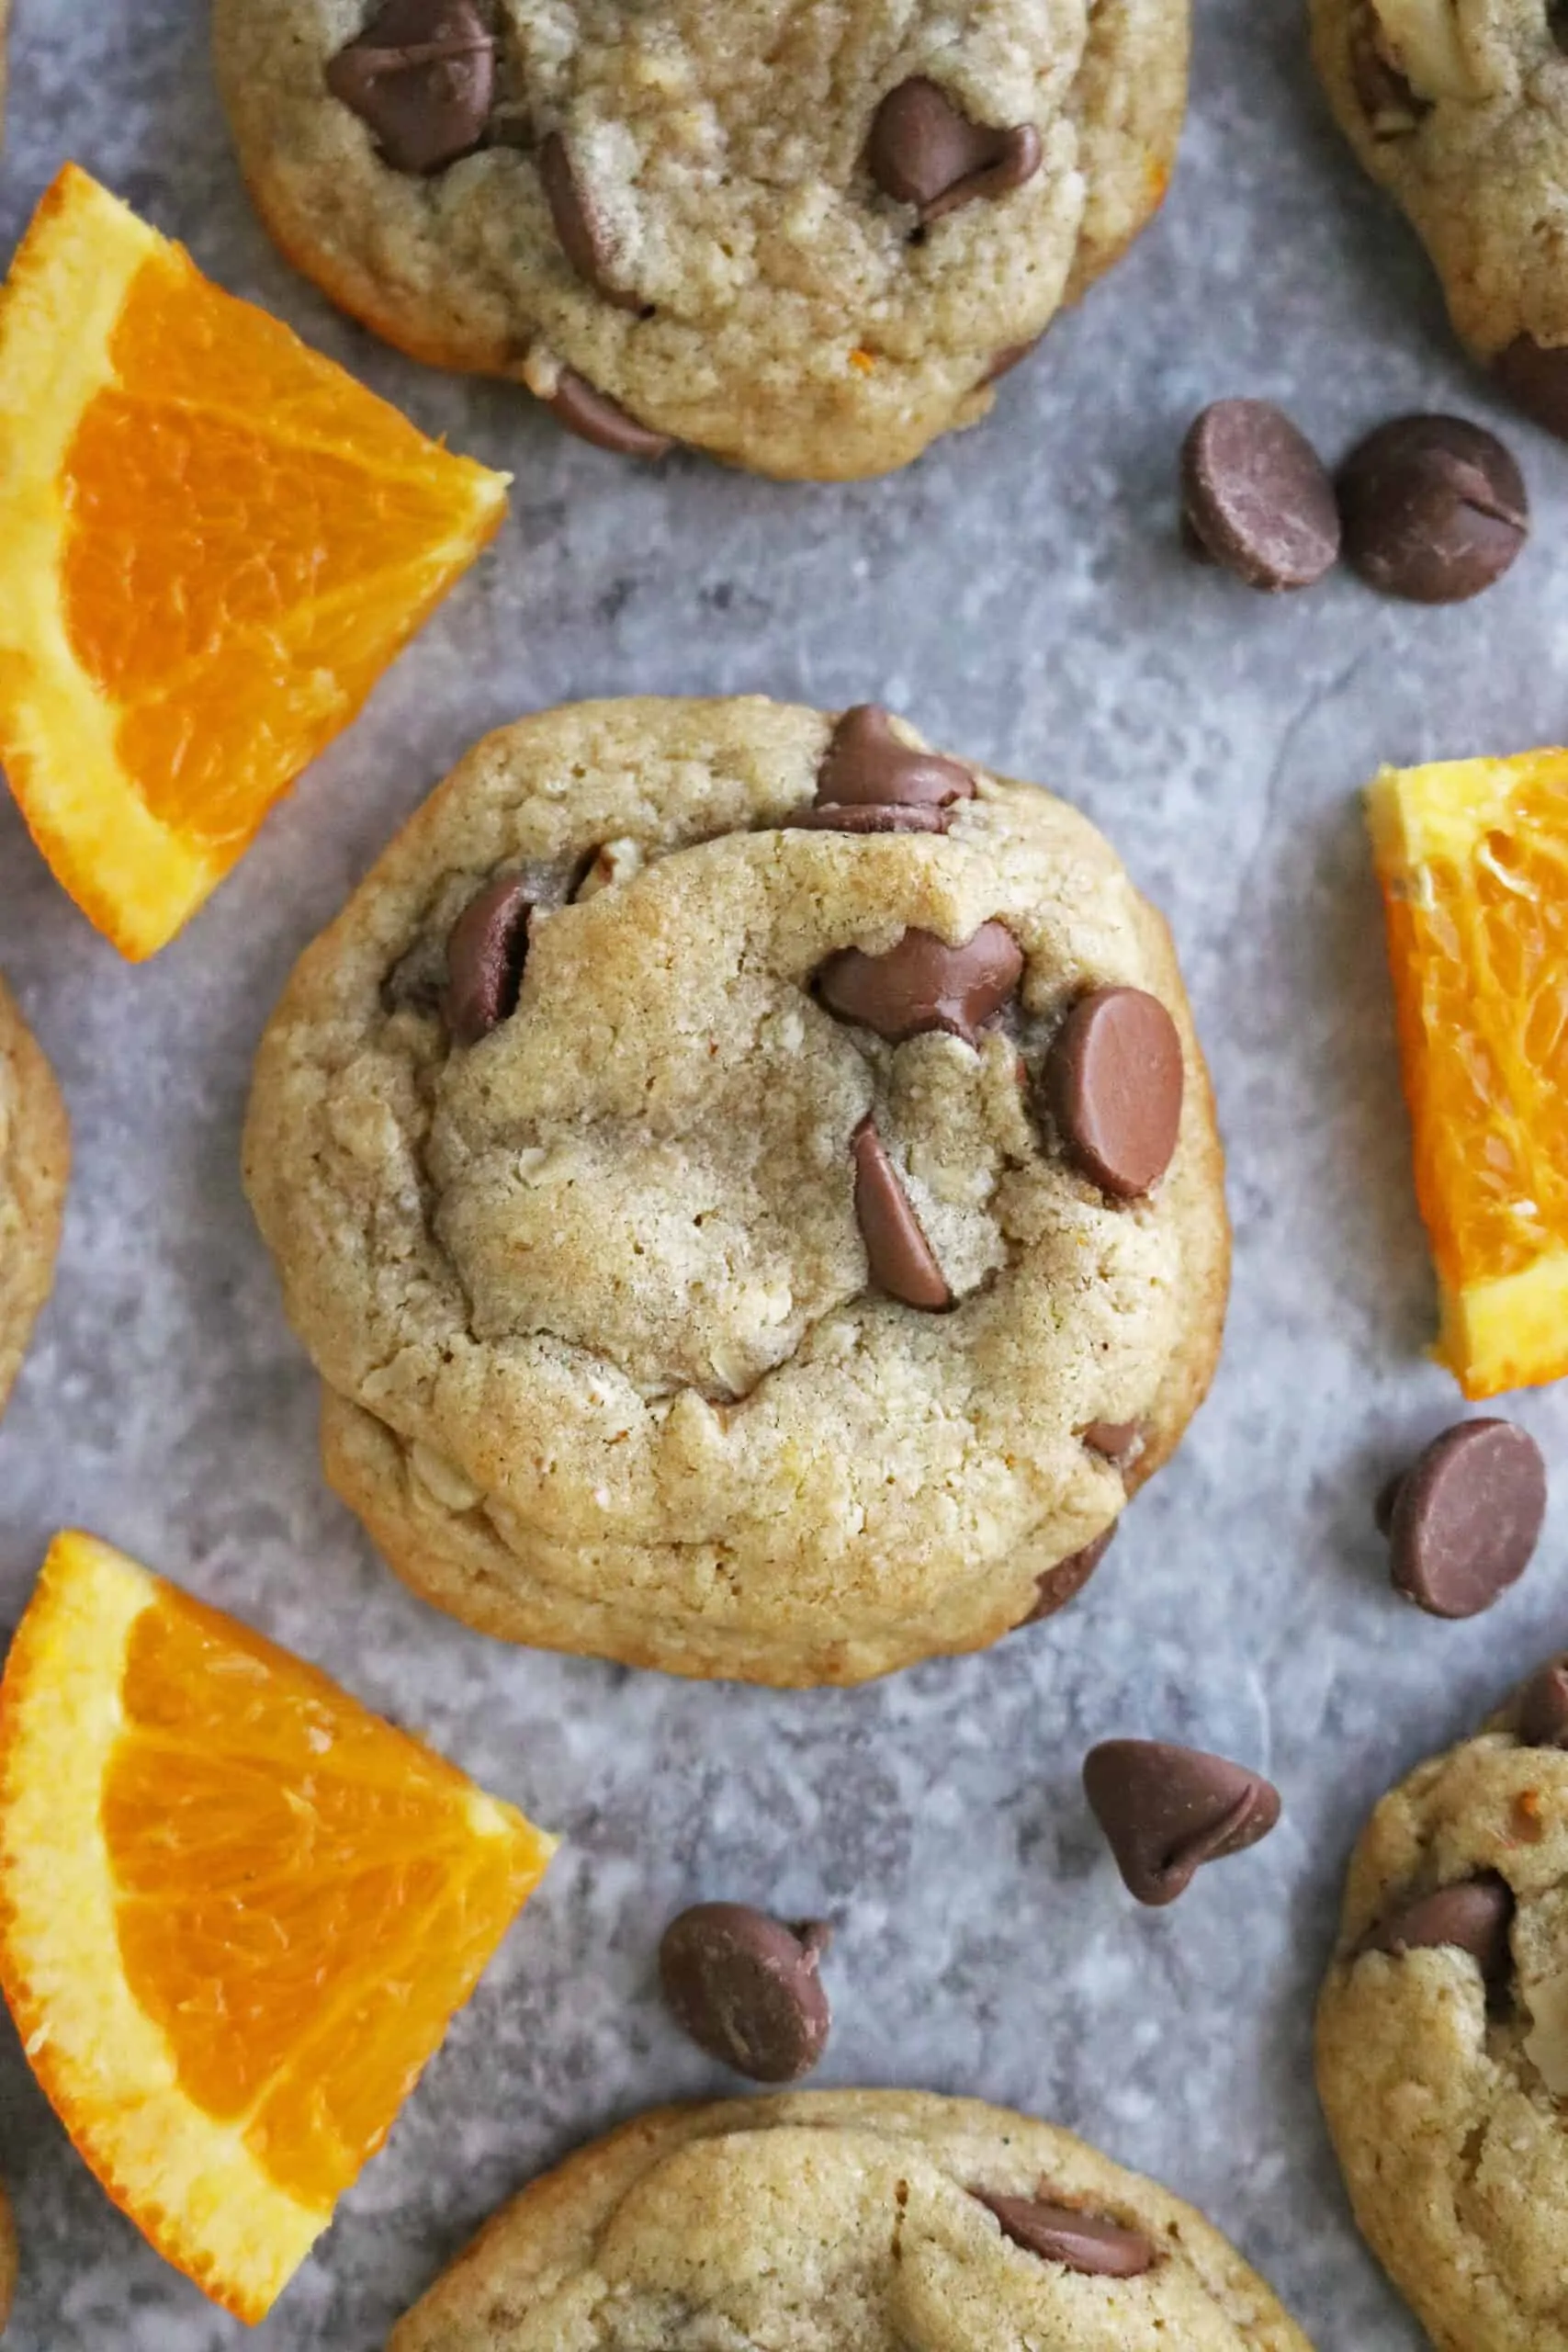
1080, 2242
1464, 1520
486, 951
923, 984
1113, 1084
746, 1988
1118, 1440
1540, 1708
581, 232
1062, 1583
902, 1261
422, 78
1165, 1810
594, 416
1473, 1918
924, 150
831, 817
868, 765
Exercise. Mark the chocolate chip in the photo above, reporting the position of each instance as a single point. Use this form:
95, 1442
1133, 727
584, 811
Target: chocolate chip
1113, 1084
1081, 2242
1118, 1440
1540, 1708
867, 764
1434, 509
1062, 1583
1165, 1810
924, 984
486, 950
902, 1261
1256, 495
833, 818
1473, 1918
577, 224
1536, 376
594, 416
746, 1988
1391, 106
924, 150
421, 76
1467, 1517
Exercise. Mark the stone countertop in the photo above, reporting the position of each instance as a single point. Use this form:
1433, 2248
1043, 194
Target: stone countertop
1021, 595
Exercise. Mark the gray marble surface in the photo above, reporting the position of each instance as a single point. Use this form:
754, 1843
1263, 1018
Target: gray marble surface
1020, 593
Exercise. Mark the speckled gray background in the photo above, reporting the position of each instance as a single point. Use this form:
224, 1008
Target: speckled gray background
1020, 593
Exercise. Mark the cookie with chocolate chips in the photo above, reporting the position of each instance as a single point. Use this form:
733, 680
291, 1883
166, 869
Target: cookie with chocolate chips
1442, 2032
804, 238
735, 1244
35, 1157
1460, 111
895, 2221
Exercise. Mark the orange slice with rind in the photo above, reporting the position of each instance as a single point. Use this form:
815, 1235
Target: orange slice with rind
212, 542
237, 1913
1472, 859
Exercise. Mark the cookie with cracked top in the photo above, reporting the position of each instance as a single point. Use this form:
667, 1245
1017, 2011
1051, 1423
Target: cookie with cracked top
1442, 2031
805, 238
709, 1262
1460, 111
897, 2222
35, 1159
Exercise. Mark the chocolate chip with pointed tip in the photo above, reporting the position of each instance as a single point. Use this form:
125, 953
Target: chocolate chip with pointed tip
1113, 1084
1474, 1916
1540, 1707
1535, 377
1167, 1810
1465, 1518
902, 1262
486, 950
833, 817
594, 416
923, 984
924, 150
1085, 2242
578, 226
867, 763
746, 1988
1062, 1583
1434, 508
422, 78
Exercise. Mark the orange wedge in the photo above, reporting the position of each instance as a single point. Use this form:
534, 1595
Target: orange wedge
1472, 858
212, 542
237, 1913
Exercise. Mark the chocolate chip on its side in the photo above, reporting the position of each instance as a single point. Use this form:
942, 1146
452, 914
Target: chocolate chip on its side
902, 1262
1466, 1516
868, 765
1535, 377
1113, 1084
422, 78
578, 225
746, 1988
594, 416
1541, 1706
923, 150
486, 950
1257, 497
1165, 1810
1062, 1583
1435, 509
1081, 2242
923, 984
1474, 1916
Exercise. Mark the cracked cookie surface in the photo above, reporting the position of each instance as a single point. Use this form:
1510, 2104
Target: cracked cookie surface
676, 222
849, 2218
626, 1350
1443, 2062
34, 1154
1459, 108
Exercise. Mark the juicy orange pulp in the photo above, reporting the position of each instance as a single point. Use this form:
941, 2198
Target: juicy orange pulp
212, 542
1472, 856
237, 1912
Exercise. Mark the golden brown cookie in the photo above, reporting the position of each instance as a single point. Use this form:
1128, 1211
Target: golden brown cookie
751, 1188
35, 1158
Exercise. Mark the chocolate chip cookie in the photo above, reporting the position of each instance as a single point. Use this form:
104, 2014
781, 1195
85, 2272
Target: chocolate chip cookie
866, 2218
35, 1157
807, 238
1442, 2038
749, 1185
1462, 112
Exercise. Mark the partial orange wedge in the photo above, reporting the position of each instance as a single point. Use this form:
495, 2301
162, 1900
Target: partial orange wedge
1472, 856
212, 542
237, 1913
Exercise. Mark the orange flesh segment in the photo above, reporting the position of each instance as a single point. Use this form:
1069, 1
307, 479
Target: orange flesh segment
1472, 859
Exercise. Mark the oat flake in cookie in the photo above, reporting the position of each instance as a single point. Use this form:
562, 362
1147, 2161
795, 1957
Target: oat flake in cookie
1442, 2036
804, 235
35, 1158
704, 1267
885, 2221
